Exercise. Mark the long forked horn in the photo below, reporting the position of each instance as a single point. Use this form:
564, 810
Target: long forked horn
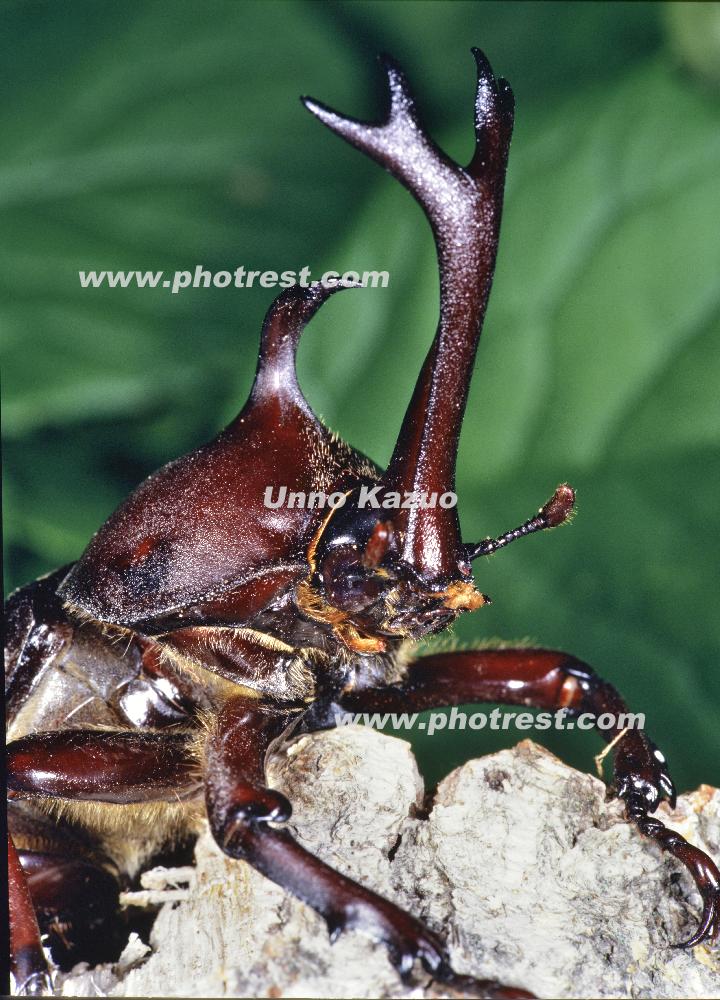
463, 205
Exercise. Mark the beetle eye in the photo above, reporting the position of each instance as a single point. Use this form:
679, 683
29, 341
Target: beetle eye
348, 584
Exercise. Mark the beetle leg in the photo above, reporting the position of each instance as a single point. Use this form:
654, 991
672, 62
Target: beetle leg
36, 629
554, 680
240, 806
250, 658
82, 765
76, 902
27, 959
88, 764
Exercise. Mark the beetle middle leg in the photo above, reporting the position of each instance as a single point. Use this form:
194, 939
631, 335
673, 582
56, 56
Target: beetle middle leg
554, 680
240, 807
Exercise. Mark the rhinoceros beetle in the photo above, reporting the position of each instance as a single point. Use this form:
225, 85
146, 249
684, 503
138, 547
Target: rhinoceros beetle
148, 681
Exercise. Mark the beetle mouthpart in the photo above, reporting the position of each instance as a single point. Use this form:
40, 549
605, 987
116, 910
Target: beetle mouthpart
558, 510
463, 206
463, 597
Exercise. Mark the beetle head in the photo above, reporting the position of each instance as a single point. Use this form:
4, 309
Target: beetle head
195, 542
360, 583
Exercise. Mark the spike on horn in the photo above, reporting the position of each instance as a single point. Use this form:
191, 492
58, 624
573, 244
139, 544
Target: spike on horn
463, 206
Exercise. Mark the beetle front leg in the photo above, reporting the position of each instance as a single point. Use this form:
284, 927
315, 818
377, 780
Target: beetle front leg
553, 680
36, 630
240, 807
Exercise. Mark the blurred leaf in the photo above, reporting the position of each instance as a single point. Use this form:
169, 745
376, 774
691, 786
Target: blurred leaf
694, 35
169, 143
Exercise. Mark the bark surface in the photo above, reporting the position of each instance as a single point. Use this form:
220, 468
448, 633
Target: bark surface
531, 876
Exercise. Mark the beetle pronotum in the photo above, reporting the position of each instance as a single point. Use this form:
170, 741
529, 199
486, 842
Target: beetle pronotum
147, 682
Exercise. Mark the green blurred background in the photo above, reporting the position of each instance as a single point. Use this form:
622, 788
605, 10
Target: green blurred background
164, 135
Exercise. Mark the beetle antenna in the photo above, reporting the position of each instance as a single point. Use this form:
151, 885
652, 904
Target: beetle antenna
558, 510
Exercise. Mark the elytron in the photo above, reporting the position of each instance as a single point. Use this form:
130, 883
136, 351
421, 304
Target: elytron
199, 630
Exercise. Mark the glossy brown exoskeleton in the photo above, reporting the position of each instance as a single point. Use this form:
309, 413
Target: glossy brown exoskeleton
148, 681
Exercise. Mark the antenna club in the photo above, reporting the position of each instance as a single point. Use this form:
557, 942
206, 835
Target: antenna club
560, 506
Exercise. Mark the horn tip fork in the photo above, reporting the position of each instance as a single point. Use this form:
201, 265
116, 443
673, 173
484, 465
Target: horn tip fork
401, 108
494, 108
494, 119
